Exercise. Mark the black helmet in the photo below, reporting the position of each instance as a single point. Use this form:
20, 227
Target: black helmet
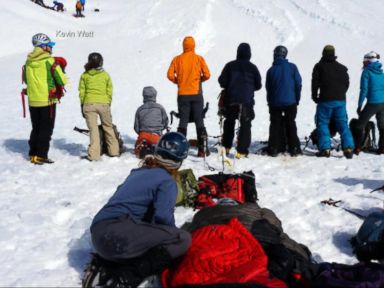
95, 60
280, 51
173, 146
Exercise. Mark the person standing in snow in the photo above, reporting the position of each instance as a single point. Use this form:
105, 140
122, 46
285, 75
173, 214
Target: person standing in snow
283, 86
95, 91
372, 89
41, 80
79, 8
137, 226
82, 4
151, 120
240, 79
331, 78
188, 70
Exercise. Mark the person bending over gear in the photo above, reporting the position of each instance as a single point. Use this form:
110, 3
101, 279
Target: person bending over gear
58, 6
283, 86
188, 70
137, 227
41, 77
150, 121
372, 89
240, 79
95, 90
331, 78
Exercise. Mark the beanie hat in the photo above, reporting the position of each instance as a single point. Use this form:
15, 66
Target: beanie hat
149, 94
371, 57
329, 50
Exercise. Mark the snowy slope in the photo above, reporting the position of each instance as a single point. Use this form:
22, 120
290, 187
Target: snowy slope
46, 211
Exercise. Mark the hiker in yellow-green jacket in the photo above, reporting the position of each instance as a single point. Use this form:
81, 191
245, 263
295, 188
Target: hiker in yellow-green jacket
41, 76
95, 90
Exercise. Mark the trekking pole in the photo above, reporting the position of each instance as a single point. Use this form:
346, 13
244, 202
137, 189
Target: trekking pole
335, 203
82, 131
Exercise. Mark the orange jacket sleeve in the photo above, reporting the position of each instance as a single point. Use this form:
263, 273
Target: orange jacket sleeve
204, 69
172, 71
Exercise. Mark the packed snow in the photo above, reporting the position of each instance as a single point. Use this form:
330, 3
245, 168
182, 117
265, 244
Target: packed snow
46, 211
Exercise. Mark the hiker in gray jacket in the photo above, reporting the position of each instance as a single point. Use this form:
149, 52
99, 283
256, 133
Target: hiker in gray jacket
150, 121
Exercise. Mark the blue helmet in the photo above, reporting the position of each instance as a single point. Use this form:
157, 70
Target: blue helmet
173, 146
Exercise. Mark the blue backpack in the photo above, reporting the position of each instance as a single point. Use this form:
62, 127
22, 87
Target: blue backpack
369, 238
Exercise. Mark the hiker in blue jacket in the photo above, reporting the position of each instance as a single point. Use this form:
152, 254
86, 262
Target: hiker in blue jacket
283, 86
137, 226
83, 4
330, 82
371, 90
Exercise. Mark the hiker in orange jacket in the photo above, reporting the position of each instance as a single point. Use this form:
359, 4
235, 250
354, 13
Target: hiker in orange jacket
188, 70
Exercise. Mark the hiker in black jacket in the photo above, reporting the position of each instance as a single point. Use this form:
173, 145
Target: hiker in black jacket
240, 79
331, 78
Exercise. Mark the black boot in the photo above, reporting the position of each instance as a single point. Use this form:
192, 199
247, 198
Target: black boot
182, 131
380, 149
201, 141
135, 270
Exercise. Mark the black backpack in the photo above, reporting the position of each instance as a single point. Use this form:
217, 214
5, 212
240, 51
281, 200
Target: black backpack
332, 130
369, 137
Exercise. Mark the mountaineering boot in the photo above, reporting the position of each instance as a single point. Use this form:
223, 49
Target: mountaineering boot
135, 270
41, 160
96, 275
357, 150
295, 151
380, 150
324, 153
348, 153
227, 150
34, 160
241, 155
273, 152
182, 131
201, 142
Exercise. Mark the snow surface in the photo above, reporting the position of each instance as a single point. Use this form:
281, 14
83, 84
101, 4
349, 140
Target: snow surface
46, 211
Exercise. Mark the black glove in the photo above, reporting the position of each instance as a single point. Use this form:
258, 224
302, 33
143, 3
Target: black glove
358, 111
315, 99
82, 112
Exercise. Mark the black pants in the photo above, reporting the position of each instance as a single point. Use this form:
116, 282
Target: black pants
191, 110
282, 129
245, 114
366, 114
43, 122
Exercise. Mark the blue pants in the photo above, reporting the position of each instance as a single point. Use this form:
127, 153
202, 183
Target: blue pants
337, 111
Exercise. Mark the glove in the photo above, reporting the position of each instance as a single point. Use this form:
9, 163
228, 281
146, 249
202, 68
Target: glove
82, 112
315, 99
358, 111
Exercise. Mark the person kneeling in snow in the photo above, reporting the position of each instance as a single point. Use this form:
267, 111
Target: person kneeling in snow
135, 232
58, 6
150, 121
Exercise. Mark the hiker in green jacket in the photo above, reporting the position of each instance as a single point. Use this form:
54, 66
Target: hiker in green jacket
41, 77
95, 90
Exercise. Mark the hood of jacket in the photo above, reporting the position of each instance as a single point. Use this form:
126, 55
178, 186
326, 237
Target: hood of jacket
188, 44
279, 61
328, 58
37, 54
93, 72
375, 67
149, 94
244, 52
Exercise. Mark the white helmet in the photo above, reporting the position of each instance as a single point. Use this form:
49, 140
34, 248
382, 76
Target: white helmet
40, 39
372, 57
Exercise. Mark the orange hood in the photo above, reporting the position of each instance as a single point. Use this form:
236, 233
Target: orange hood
188, 44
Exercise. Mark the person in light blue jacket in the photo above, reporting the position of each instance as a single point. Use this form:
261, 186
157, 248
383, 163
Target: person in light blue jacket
371, 90
82, 4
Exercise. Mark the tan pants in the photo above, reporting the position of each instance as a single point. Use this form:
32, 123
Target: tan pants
91, 111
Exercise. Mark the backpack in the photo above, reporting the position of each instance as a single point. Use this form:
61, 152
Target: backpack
369, 136
332, 130
144, 149
369, 240
187, 188
239, 187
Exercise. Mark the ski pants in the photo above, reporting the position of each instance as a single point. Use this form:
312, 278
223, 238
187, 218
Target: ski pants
282, 129
91, 113
191, 108
124, 238
364, 117
43, 122
333, 110
246, 115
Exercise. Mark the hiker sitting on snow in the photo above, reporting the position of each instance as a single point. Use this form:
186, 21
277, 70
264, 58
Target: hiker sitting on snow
150, 121
135, 233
